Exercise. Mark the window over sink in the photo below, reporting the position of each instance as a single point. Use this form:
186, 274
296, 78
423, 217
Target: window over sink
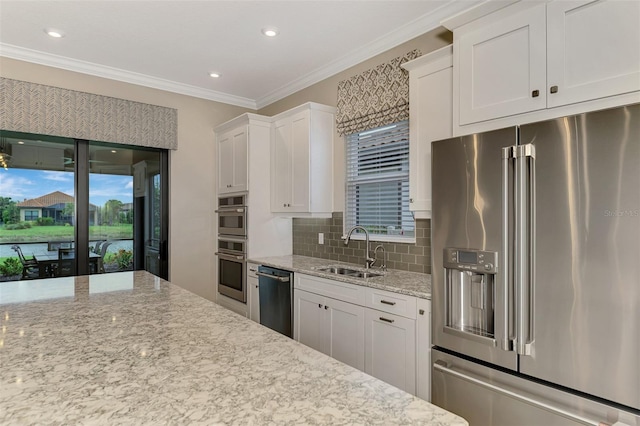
377, 183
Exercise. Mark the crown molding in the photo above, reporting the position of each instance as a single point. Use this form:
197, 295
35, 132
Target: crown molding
413, 29
55, 61
403, 34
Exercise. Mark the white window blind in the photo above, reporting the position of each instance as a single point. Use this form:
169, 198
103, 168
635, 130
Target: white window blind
377, 175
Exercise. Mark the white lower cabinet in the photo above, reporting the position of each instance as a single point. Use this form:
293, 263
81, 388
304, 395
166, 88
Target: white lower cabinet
423, 349
390, 349
330, 326
253, 292
382, 333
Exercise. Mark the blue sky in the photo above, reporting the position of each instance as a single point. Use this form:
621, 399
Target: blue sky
19, 184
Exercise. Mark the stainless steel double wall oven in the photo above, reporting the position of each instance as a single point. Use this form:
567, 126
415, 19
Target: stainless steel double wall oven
232, 245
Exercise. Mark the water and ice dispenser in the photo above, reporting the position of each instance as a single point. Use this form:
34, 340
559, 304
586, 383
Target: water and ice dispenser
470, 285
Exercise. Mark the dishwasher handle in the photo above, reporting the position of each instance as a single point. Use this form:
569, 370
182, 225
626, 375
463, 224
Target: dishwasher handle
273, 277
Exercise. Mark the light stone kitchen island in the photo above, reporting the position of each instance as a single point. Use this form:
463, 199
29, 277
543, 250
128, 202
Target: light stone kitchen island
131, 348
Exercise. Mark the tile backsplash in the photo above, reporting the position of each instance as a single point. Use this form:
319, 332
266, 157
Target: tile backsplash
407, 257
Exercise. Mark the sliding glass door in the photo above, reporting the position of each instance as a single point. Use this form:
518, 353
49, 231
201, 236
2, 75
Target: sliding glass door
74, 207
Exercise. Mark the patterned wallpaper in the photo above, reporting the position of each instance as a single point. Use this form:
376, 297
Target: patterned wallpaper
407, 257
36, 108
374, 98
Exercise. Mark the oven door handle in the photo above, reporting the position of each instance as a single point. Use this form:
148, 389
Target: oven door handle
229, 256
273, 277
230, 211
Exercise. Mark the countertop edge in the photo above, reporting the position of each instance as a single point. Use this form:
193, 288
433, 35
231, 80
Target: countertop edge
306, 265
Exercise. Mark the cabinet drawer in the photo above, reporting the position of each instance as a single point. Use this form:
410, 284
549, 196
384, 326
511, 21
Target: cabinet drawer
394, 303
335, 289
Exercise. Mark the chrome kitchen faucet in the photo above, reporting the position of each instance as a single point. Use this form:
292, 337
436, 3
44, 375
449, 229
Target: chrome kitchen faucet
368, 259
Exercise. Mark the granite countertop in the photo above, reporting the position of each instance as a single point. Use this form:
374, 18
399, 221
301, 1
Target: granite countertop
131, 348
410, 283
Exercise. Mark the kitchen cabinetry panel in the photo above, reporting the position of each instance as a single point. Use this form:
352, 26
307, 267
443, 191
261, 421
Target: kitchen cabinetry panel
253, 289
430, 119
330, 326
390, 349
346, 332
309, 324
593, 49
232, 160
531, 61
385, 344
502, 67
423, 349
302, 161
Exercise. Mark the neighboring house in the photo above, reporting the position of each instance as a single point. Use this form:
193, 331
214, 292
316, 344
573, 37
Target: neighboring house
52, 205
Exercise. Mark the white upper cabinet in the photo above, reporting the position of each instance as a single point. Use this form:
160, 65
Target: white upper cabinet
531, 61
502, 67
430, 119
593, 49
232, 160
302, 161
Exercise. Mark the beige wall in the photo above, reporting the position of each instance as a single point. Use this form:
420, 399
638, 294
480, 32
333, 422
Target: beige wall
326, 92
192, 167
192, 190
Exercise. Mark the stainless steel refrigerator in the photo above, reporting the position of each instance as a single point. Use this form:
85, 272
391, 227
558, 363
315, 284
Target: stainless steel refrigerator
536, 272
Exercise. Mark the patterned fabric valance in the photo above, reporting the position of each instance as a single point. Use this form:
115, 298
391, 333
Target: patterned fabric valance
374, 98
36, 108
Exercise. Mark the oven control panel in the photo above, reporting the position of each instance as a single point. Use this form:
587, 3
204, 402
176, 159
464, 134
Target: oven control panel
471, 260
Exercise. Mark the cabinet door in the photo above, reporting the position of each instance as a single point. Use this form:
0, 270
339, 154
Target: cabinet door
431, 120
300, 163
281, 163
309, 325
423, 350
390, 349
232, 161
345, 329
240, 140
593, 49
253, 288
225, 163
502, 65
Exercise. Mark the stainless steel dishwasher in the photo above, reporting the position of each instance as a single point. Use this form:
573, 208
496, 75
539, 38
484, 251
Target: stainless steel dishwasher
276, 299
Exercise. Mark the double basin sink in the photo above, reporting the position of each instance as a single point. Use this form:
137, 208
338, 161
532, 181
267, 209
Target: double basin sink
356, 273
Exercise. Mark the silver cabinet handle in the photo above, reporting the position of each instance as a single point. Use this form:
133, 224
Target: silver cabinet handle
386, 302
443, 368
386, 320
273, 277
553, 89
326, 307
421, 311
253, 269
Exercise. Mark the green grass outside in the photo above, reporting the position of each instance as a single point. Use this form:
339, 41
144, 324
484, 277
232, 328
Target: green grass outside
64, 233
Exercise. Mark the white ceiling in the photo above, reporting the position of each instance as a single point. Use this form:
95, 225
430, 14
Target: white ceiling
174, 45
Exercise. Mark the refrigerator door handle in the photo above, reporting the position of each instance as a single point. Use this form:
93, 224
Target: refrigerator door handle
445, 369
523, 266
504, 303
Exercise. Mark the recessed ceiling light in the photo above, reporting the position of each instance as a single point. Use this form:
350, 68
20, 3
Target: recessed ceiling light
114, 151
20, 143
270, 31
54, 33
214, 74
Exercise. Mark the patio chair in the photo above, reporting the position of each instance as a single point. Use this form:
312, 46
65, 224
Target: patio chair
96, 248
66, 263
30, 267
103, 251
